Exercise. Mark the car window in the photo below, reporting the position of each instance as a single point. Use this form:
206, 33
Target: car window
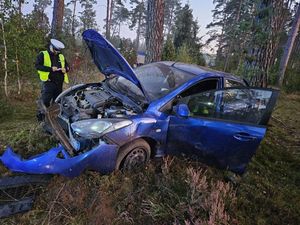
204, 85
159, 79
232, 83
241, 105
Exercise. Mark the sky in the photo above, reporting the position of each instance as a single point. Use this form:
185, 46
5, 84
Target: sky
202, 10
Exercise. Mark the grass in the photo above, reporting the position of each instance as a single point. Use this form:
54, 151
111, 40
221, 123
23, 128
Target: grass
269, 193
169, 191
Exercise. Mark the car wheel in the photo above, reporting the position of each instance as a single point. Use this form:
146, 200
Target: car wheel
134, 155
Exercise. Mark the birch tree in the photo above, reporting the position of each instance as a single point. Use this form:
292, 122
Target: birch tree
5, 58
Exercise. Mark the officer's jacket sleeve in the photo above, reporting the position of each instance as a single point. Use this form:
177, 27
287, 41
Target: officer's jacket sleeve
39, 64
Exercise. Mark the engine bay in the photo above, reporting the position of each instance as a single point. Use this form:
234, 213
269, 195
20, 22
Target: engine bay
93, 102
85, 103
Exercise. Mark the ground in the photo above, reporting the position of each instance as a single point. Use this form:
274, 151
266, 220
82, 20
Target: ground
169, 191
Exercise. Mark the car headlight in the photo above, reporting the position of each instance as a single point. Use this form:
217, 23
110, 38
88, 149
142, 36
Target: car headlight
95, 128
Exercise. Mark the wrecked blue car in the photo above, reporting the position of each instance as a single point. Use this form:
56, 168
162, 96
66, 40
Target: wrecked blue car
163, 108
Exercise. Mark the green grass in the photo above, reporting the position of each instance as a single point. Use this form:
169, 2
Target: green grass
169, 191
270, 191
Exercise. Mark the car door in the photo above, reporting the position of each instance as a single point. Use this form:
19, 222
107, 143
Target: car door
224, 127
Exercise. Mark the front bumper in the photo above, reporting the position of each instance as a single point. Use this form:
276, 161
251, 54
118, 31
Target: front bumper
57, 161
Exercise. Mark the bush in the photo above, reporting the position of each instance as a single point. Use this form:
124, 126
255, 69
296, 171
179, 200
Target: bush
184, 55
169, 53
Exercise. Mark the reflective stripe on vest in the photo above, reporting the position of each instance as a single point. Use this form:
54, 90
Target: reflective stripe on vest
44, 76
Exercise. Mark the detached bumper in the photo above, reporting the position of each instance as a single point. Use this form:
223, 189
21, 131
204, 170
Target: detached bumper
57, 161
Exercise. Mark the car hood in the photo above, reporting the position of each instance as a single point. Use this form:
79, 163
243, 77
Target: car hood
108, 59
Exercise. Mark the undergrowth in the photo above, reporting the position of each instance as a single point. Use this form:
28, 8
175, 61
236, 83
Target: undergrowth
173, 190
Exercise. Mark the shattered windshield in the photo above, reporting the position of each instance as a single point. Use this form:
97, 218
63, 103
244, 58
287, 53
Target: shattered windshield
157, 80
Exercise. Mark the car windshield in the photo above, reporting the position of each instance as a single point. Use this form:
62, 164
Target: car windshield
157, 79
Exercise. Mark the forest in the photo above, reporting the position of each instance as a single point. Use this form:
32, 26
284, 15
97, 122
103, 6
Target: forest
251, 39
257, 40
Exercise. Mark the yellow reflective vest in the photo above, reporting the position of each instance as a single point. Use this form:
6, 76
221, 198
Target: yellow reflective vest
44, 76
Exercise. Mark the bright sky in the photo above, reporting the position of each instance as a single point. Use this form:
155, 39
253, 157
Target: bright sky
201, 10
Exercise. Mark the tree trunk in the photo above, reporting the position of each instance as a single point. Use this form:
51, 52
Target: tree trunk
111, 9
18, 73
57, 20
237, 20
5, 58
289, 47
154, 30
73, 18
20, 4
138, 31
108, 6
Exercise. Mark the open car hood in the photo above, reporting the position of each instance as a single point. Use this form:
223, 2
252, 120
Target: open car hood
107, 58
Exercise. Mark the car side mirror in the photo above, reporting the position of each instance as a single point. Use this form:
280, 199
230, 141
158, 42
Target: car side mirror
182, 110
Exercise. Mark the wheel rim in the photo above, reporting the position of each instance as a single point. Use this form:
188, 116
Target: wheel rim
136, 158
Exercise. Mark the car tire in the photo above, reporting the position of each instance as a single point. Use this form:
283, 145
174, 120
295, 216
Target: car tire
133, 155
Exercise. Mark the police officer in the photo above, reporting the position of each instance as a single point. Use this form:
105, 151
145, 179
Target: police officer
52, 68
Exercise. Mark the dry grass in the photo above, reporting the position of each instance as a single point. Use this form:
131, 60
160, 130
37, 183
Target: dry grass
169, 191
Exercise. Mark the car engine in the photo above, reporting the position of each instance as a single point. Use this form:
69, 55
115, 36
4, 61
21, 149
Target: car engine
93, 102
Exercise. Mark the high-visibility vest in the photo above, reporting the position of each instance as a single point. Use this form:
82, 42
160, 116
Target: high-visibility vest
44, 76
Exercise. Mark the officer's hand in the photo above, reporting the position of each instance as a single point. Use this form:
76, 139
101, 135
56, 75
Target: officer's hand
63, 70
54, 68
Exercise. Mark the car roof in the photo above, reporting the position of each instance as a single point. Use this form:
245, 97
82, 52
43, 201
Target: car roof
200, 70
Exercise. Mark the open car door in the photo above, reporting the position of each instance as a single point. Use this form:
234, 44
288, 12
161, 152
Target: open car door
224, 126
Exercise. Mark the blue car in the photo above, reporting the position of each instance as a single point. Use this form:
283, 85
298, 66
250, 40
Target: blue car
163, 108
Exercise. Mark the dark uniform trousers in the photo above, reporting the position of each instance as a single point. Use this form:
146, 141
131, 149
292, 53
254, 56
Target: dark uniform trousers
50, 91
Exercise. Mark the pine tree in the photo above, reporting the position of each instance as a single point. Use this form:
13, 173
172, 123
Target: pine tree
289, 47
171, 9
186, 33
119, 16
248, 35
40, 15
57, 19
67, 22
108, 17
231, 28
41, 5
270, 19
88, 15
154, 32
75, 22
138, 19
183, 24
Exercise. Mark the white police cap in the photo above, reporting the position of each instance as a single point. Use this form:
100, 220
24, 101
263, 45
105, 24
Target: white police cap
57, 45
